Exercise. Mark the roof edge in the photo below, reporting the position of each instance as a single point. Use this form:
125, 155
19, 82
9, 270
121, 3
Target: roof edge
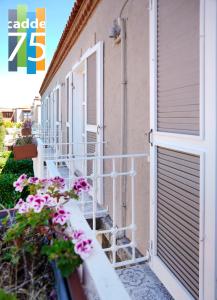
78, 18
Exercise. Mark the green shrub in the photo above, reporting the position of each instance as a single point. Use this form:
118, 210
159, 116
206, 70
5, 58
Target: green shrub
8, 195
6, 296
2, 136
2, 163
25, 140
10, 170
1, 119
17, 124
8, 124
18, 166
6, 154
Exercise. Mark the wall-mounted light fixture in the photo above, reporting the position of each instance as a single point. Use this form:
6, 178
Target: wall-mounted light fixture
115, 30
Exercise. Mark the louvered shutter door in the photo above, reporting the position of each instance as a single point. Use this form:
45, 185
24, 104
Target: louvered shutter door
178, 66
57, 116
91, 90
91, 126
175, 161
178, 177
67, 114
71, 109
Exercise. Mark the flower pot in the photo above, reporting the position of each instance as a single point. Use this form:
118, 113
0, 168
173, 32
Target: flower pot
25, 151
26, 131
70, 288
60, 284
75, 287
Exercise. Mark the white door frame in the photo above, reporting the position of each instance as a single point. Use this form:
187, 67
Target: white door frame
69, 118
203, 145
81, 68
57, 116
51, 118
78, 119
98, 48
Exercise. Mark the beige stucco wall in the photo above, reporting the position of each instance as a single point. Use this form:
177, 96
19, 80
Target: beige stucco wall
97, 29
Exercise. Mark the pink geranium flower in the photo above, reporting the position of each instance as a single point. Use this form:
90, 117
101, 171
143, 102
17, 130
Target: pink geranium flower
77, 235
18, 186
83, 248
81, 185
22, 206
60, 216
22, 178
49, 201
20, 183
33, 180
19, 203
58, 182
30, 199
37, 204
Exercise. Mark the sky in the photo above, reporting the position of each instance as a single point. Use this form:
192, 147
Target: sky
18, 88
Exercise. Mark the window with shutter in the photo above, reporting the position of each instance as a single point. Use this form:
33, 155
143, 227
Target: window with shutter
178, 42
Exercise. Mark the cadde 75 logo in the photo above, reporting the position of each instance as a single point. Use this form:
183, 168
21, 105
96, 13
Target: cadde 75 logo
26, 39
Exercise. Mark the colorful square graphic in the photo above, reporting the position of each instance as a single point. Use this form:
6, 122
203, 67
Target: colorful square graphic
26, 39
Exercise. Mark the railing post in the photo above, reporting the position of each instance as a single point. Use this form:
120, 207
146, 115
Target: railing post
133, 224
94, 176
114, 211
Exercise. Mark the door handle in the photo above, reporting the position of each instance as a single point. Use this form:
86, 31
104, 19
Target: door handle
149, 134
98, 128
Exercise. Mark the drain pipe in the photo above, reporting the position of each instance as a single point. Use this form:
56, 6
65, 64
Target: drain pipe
122, 23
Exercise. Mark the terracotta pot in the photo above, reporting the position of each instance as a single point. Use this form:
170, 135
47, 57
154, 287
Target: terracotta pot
75, 287
26, 131
70, 288
25, 151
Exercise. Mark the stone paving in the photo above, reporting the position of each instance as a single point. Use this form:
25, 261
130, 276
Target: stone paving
142, 284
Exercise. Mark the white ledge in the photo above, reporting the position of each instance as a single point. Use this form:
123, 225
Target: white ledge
106, 282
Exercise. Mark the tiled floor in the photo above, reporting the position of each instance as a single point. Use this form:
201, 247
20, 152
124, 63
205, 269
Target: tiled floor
142, 284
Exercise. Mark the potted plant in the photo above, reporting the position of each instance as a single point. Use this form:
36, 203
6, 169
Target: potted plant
40, 232
26, 127
25, 147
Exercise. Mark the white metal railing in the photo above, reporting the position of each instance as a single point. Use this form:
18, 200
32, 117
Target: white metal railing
50, 136
106, 182
64, 150
98, 277
51, 150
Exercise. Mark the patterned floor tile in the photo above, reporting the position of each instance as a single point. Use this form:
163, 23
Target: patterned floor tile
142, 284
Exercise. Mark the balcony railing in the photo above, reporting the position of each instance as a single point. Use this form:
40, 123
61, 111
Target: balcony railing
107, 180
114, 182
97, 275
